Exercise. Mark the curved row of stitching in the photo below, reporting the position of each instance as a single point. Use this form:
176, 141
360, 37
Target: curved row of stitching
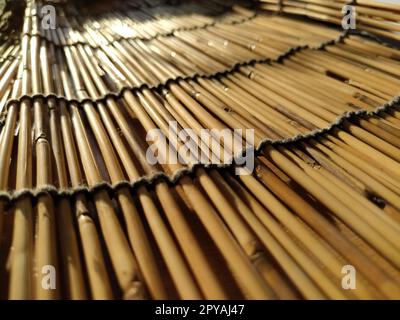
149, 181
118, 94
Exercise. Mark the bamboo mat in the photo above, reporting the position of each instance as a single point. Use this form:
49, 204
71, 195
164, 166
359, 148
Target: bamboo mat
78, 193
380, 17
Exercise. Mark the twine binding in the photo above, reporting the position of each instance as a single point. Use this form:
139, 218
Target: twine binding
118, 94
173, 180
